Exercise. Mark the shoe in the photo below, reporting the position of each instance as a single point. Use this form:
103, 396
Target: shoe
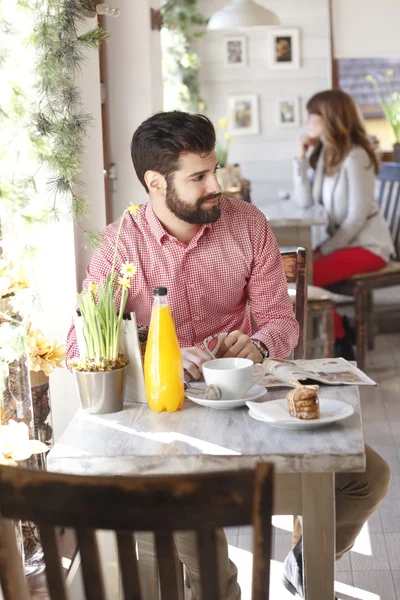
293, 570
292, 578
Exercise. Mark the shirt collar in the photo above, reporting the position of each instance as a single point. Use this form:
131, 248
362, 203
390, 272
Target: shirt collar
159, 231
154, 224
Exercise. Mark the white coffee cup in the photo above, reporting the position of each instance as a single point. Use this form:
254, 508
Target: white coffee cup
233, 376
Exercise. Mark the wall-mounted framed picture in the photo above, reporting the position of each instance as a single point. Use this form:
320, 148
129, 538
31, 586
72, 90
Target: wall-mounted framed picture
243, 114
288, 111
235, 51
284, 48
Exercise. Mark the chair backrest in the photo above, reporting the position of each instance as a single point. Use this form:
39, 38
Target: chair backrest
389, 200
162, 504
295, 265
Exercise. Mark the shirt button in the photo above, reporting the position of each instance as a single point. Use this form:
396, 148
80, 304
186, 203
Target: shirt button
197, 318
192, 285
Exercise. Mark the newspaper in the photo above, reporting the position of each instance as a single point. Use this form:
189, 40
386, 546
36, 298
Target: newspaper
328, 371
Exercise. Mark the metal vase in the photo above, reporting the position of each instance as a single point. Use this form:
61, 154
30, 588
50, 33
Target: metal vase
101, 392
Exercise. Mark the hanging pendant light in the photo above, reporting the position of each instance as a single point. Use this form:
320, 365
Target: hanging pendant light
241, 14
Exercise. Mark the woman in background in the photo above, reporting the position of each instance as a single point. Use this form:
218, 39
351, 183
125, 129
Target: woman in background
336, 167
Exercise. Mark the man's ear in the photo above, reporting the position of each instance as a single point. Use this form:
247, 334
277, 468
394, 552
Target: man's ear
155, 182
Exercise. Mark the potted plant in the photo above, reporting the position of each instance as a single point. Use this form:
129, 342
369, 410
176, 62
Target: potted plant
390, 101
100, 371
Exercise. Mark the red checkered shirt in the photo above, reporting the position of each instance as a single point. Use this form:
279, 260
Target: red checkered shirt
229, 267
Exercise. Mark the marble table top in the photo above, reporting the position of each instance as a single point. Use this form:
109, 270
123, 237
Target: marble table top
137, 440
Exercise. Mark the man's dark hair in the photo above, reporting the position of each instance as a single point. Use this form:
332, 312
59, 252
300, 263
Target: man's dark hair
158, 141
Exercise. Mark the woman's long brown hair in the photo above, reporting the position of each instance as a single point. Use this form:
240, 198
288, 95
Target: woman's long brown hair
342, 128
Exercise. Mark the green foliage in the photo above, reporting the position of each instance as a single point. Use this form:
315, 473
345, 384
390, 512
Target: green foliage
389, 100
60, 118
52, 132
182, 23
18, 143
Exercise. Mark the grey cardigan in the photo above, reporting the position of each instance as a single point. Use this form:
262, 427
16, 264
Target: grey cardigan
353, 216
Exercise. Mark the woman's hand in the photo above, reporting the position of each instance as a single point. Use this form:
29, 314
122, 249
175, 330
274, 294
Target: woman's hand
305, 142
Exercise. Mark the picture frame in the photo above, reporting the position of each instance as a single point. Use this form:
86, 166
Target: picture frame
288, 111
244, 115
235, 51
284, 48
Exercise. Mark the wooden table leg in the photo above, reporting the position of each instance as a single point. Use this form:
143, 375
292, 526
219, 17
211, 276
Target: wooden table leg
318, 490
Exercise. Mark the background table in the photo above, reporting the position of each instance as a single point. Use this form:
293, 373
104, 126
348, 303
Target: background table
292, 225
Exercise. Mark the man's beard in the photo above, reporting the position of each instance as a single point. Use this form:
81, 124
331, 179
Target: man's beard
197, 214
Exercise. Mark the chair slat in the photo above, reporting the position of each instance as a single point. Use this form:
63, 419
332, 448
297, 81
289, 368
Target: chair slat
91, 570
389, 200
128, 564
208, 563
54, 572
262, 528
167, 566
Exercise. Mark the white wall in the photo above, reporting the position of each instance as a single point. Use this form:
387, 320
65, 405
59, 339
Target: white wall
92, 175
266, 158
366, 28
134, 83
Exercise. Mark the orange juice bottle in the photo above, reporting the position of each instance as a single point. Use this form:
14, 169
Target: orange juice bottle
163, 367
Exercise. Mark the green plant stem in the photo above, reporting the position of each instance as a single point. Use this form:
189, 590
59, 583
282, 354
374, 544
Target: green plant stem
117, 242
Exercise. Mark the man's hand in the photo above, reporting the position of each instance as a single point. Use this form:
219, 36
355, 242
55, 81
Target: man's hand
240, 345
193, 359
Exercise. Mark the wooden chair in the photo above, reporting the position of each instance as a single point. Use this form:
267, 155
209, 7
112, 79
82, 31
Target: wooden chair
161, 504
361, 286
295, 265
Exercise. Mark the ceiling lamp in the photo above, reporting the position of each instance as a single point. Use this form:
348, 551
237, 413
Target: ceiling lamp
241, 14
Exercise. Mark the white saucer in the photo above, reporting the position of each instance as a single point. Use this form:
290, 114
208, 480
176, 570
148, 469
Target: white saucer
275, 413
195, 393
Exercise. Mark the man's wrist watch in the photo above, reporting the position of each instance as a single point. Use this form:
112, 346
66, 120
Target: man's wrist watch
262, 348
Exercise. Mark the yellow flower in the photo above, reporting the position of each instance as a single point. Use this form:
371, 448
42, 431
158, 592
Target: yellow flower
223, 122
201, 106
228, 136
13, 278
369, 78
43, 355
133, 209
129, 269
93, 287
389, 72
124, 282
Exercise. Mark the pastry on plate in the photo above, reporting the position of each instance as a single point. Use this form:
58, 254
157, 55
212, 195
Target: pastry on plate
303, 401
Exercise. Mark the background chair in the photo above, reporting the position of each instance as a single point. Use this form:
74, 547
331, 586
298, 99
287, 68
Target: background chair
313, 308
162, 504
295, 265
361, 286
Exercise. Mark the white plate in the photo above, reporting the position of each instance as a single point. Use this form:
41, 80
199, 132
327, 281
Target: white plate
195, 393
275, 413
